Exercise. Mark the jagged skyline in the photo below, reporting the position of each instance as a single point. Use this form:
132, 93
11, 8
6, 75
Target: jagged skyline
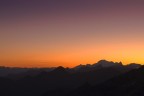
97, 79
102, 63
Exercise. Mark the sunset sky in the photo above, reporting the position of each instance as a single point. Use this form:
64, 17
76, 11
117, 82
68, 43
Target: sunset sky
49, 33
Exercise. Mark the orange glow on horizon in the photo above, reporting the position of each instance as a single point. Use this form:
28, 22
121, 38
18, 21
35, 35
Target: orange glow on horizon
71, 57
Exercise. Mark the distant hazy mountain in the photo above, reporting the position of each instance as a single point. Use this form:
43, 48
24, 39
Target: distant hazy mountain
105, 64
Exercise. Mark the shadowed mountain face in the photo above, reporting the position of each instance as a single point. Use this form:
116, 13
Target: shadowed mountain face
128, 84
98, 79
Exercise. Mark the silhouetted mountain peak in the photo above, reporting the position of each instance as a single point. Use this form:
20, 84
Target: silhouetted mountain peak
100, 64
105, 63
60, 70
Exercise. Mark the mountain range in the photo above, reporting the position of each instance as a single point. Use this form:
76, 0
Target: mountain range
104, 78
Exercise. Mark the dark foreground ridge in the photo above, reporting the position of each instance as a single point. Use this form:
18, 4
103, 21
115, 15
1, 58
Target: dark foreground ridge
103, 78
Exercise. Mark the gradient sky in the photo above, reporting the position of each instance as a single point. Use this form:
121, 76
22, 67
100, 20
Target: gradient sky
46, 33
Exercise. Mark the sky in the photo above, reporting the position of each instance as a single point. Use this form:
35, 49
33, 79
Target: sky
49, 33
